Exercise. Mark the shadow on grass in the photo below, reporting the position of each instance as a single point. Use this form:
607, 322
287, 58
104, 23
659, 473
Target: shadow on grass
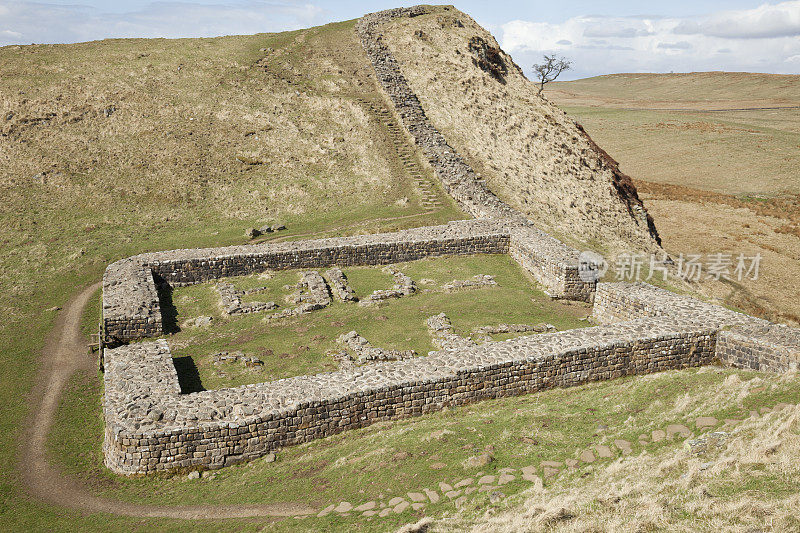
169, 313
188, 376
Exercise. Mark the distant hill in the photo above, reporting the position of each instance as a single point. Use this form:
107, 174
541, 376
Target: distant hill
693, 90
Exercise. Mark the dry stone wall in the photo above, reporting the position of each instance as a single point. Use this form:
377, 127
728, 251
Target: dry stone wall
743, 341
456, 176
130, 295
151, 427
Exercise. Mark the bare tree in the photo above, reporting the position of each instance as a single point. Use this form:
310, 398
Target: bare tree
550, 69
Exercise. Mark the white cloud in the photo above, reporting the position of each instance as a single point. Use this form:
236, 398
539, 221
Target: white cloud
51, 23
763, 39
779, 20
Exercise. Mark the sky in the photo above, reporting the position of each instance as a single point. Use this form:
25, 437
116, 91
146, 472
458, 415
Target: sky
598, 37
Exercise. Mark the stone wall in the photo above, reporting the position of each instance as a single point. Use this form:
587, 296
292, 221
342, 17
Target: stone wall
131, 308
456, 176
767, 348
743, 341
130, 296
151, 427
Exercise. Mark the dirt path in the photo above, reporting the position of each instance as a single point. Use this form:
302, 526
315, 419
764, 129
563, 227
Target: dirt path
63, 355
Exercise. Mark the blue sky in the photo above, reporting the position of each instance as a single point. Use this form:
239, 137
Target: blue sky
607, 37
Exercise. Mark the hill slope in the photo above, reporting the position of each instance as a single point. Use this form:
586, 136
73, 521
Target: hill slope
695, 90
531, 155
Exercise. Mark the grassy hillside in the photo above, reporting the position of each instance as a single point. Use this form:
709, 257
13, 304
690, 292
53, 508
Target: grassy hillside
529, 153
715, 181
113, 148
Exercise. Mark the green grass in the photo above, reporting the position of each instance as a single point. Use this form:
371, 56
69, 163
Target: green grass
147, 179
299, 345
362, 465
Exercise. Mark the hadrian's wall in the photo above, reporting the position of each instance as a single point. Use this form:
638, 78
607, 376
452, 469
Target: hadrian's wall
456, 176
742, 341
150, 426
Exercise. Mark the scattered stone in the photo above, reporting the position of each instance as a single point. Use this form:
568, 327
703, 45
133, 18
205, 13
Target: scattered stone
340, 286
394, 501
587, 456
706, 421
604, 451
366, 507
452, 493
326, 511
403, 286
270, 458
343, 507
464, 482
475, 282
417, 506
385, 512
232, 304
549, 471
438, 466
461, 501
432, 495
623, 445
486, 480
658, 435
477, 461
572, 463
194, 474
366, 352
707, 442
416, 496
445, 487
505, 478
552, 464
677, 429
529, 473
496, 497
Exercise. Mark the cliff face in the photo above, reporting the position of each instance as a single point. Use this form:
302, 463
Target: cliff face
529, 152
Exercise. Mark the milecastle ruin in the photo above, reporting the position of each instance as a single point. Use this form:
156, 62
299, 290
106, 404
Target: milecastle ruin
152, 426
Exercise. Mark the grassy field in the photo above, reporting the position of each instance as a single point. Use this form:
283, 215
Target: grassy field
715, 181
299, 345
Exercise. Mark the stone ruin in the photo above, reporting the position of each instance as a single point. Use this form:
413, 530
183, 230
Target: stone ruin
231, 300
365, 352
403, 286
151, 426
